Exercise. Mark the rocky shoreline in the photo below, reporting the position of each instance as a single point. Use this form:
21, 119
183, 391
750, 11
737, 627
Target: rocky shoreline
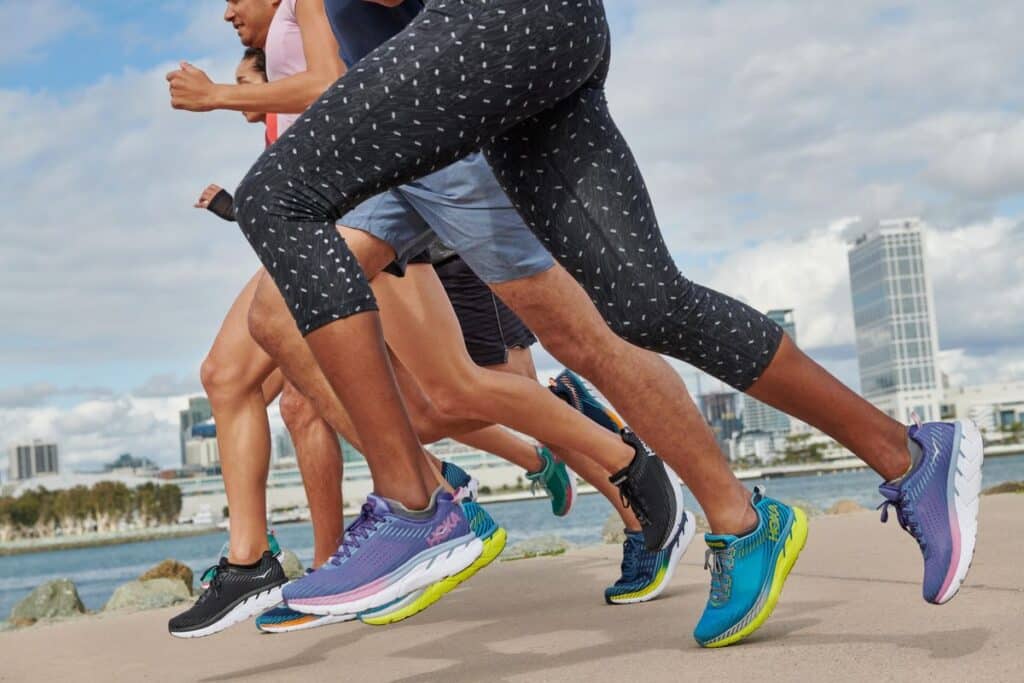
171, 582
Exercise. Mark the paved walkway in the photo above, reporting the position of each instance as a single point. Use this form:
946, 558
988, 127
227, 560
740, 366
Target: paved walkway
851, 611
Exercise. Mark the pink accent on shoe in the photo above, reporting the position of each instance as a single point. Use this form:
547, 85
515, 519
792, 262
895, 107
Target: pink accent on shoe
443, 530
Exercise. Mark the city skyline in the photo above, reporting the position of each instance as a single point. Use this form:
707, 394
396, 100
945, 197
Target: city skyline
766, 134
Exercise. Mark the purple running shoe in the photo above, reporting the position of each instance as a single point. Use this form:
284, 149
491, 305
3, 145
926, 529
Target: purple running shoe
386, 554
937, 503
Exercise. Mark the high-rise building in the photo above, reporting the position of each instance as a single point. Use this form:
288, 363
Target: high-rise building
198, 411
721, 410
894, 315
758, 417
35, 459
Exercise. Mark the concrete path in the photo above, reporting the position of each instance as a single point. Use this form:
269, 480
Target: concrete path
851, 611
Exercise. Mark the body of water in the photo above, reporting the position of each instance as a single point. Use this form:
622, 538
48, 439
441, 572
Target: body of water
98, 571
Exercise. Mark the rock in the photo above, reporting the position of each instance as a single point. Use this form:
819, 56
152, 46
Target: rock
58, 598
613, 531
151, 594
290, 563
810, 509
844, 507
536, 547
1005, 487
170, 569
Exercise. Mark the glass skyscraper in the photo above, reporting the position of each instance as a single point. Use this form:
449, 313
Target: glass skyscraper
758, 417
894, 315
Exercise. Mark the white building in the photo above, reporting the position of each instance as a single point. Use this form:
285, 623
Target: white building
36, 459
994, 407
201, 452
894, 315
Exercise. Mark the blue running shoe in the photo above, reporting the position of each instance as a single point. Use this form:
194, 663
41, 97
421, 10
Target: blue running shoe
748, 572
387, 553
937, 503
570, 387
646, 574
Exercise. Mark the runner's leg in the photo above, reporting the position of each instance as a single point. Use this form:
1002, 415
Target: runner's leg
233, 375
319, 457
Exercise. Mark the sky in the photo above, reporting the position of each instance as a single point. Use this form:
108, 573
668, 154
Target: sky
769, 133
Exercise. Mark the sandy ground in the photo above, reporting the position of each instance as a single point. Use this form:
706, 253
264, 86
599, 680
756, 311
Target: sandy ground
852, 610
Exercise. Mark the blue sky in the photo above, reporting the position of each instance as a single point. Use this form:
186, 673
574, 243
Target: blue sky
765, 129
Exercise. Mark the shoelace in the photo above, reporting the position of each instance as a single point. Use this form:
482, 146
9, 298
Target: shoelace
213, 586
631, 499
720, 561
631, 549
361, 529
905, 516
539, 482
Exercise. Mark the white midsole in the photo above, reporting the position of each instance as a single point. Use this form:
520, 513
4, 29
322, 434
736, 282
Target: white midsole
248, 608
677, 490
969, 459
423, 574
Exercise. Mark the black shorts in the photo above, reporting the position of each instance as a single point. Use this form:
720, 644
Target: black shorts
489, 327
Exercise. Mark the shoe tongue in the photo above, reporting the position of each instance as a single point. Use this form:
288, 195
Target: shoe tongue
379, 504
719, 541
890, 491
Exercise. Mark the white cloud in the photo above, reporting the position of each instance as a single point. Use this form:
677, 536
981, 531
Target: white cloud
758, 124
988, 163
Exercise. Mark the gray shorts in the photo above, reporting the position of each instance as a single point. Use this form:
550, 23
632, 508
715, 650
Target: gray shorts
464, 206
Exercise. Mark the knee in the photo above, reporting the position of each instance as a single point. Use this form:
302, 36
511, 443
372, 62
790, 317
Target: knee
263, 320
297, 411
221, 378
428, 422
582, 351
457, 395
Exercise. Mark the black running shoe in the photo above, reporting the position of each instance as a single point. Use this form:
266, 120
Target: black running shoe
649, 489
234, 595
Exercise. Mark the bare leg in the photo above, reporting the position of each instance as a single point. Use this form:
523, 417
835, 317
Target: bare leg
797, 385
319, 456
272, 326
629, 377
233, 374
506, 445
423, 331
520, 362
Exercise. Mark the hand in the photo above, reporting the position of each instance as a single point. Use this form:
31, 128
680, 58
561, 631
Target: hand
208, 194
191, 89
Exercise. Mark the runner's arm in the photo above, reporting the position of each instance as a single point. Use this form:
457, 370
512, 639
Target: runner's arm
291, 95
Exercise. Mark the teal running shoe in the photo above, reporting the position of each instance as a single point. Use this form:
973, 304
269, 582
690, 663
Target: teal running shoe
748, 572
571, 388
275, 550
555, 478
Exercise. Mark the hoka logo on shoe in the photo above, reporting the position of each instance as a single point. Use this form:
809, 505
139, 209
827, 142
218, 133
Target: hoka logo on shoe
774, 522
443, 530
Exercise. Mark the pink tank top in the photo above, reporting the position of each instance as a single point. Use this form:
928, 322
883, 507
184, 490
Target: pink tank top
285, 56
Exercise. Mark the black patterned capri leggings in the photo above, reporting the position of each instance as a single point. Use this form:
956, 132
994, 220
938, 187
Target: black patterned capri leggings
524, 81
